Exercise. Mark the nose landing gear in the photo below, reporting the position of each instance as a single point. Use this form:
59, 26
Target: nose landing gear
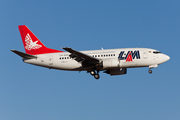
150, 71
152, 66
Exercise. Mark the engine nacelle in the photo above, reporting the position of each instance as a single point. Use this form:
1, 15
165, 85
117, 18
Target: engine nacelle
119, 71
111, 63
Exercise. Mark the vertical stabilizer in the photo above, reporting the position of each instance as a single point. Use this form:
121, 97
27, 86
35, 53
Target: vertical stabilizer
32, 44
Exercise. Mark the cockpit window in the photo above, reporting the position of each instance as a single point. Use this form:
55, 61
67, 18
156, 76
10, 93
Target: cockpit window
156, 52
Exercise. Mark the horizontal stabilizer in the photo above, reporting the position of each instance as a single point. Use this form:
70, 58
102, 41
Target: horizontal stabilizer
24, 55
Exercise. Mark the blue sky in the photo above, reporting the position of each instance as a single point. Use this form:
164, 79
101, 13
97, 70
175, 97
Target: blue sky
29, 92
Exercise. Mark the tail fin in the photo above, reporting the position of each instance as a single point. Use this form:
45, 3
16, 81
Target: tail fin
32, 44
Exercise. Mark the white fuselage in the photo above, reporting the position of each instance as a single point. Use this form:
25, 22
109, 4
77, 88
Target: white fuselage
110, 61
111, 58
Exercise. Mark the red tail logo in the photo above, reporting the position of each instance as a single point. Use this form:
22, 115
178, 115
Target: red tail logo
32, 44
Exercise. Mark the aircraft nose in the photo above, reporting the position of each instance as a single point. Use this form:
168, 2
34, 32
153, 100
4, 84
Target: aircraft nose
166, 58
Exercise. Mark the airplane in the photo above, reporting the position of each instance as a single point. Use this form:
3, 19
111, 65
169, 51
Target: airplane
110, 61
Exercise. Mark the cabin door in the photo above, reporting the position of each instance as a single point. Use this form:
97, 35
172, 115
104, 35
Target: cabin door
51, 60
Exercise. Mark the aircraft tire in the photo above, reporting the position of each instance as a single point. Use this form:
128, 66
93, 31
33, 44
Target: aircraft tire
96, 76
150, 71
92, 72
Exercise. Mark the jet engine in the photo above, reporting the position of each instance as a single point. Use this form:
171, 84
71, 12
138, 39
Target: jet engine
111, 63
118, 71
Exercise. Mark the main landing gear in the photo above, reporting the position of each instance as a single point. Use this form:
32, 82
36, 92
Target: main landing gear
96, 75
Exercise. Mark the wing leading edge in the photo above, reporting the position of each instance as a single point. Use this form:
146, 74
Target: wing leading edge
81, 57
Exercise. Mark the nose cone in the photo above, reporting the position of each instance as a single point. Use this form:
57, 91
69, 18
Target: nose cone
165, 58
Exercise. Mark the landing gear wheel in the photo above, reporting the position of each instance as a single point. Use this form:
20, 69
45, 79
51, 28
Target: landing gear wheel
150, 71
92, 72
96, 76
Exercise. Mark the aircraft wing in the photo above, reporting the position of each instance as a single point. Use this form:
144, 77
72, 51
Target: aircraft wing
81, 57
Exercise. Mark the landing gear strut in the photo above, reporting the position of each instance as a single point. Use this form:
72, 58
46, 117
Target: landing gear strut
96, 75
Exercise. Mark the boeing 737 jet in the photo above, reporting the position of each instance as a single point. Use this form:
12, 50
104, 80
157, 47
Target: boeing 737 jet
110, 61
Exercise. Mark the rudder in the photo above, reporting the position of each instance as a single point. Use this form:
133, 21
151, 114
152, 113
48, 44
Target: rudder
32, 44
